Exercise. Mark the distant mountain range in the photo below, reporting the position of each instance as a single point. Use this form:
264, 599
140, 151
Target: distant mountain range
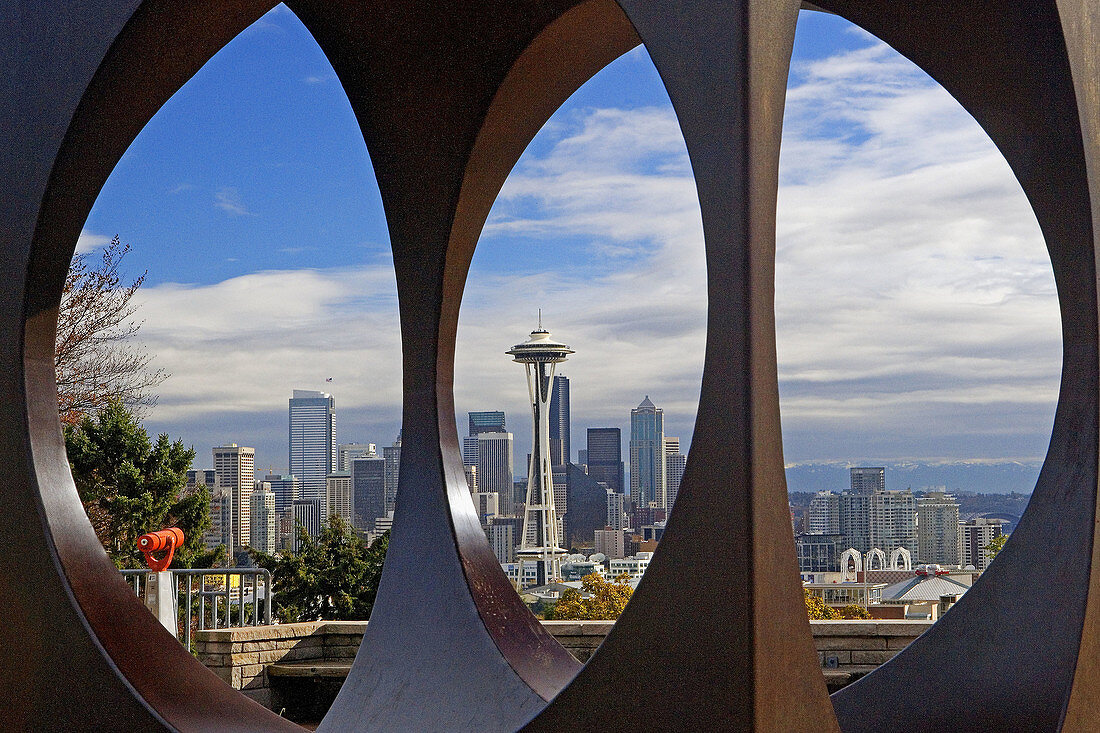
989, 477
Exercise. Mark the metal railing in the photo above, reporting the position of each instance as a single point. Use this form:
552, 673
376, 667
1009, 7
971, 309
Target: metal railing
216, 595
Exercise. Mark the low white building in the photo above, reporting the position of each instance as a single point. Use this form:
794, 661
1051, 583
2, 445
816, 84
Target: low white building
576, 569
633, 567
523, 574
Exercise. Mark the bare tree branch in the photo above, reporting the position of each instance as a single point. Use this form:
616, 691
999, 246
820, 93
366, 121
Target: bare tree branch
96, 357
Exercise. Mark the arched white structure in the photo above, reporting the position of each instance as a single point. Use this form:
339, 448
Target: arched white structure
854, 555
904, 556
876, 552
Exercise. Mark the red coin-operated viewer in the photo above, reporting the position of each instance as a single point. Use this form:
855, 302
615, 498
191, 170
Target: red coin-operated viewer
160, 585
164, 539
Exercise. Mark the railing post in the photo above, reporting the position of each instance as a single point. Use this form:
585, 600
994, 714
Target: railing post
187, 616
267, 595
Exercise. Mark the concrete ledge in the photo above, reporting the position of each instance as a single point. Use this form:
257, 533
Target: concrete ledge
310, 669
300, 667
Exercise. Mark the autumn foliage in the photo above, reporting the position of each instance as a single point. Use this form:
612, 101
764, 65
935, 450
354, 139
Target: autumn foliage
605, 601
818, 611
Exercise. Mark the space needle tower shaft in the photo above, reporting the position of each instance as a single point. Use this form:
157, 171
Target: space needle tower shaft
541, 536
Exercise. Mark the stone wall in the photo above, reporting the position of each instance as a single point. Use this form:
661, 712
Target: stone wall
580, 637
847, 650
243, 657
288, 664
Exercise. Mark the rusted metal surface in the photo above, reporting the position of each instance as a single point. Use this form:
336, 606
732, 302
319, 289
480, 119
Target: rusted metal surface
1005, 657
448, 93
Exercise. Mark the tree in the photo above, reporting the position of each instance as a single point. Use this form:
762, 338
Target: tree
130, 485
816, 608
818, 611
853, 612
605, 601
95, 358
995, 546
332, 578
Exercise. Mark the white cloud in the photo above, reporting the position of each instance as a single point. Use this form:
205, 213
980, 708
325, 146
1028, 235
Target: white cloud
243, 344
229, 199
90, 241
914, 293
913, 290
915, 306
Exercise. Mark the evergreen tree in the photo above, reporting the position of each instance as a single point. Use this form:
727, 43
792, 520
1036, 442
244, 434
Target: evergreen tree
333, 578
130, 485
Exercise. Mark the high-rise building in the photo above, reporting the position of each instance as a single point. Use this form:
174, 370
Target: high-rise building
285, 487
893, 521
938, 528
471, 478
495, 467
486, 505
587, 508
338, 496
312, 442
610, 542
824, 513
675, 461
486, 422
392, 456
368, 488
504, 537
307, 516
561, 491
559, 422
221, 520
819, 553
469, 451
235, 472
647, 455
617, 518
347, 452
262, 519
605, 457
869, 516
541, 540
854, 519
974, 536
204, 477
867, 480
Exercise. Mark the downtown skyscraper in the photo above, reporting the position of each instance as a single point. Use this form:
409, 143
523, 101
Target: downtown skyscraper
495, 467
648, 481
938, 528
312, 442
235, 474
485, 421
605, 457
559, 422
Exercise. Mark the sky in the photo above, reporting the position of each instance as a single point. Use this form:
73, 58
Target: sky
915, 306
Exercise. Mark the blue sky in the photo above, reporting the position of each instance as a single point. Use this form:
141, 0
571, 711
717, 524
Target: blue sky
916, 316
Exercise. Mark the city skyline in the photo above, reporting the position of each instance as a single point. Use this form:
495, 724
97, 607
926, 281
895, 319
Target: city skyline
934, 337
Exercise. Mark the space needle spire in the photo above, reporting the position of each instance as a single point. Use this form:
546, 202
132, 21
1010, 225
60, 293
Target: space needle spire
541, 531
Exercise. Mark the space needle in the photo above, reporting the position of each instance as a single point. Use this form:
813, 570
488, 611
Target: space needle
541, 535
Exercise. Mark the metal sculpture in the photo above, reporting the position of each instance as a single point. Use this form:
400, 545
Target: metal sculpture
448, 93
